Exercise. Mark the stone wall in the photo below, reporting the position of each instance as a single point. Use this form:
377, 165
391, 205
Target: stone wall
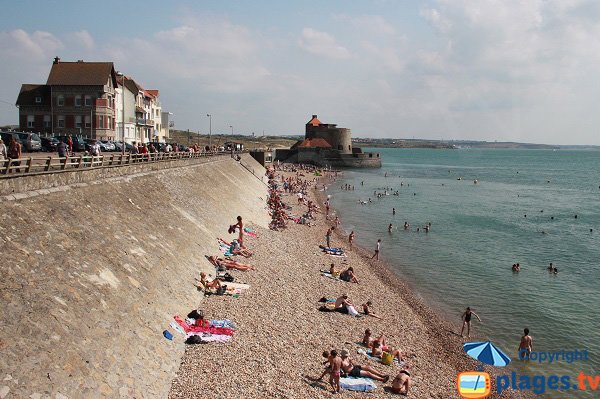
94, 270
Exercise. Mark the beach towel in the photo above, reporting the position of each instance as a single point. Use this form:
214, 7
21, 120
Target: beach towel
225, 249
208, 337
368, 354
329, 275
213, 330
237, 286
223, 324
361, 384
331, 249
249, 232
177, 328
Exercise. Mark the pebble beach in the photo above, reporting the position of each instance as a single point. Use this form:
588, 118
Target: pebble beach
276, 351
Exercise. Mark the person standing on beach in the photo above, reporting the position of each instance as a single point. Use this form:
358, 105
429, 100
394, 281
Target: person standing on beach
466, 317
328, 236
351, 238
526, 345
240, 226
377, 248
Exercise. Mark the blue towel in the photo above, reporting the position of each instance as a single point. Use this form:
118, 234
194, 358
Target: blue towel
223, 323
361, 384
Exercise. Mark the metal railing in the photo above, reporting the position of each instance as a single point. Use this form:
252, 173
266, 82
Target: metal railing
50, 164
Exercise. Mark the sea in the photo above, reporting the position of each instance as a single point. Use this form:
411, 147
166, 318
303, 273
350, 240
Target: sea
489, 209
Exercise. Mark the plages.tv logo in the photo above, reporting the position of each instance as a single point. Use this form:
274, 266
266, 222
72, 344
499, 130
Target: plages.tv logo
478, 384
474, 384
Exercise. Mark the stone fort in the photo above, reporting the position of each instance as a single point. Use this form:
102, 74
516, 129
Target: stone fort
325, 144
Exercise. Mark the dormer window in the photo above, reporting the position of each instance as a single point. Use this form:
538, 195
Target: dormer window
38, 100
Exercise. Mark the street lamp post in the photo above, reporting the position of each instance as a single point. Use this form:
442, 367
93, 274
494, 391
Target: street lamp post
123, 111
231, 131
209, 131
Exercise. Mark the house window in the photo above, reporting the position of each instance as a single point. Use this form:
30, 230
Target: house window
100, 121
38, 100
88, 101
60, 101
88, 124
47, 121
78, 121
78, 101
108, 122
61, 121
30, 121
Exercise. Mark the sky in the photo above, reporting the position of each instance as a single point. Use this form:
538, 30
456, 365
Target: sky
492, 70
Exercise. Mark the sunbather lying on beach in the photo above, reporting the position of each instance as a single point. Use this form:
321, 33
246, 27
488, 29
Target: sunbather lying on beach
402, 382
208, 285
354, 370
368, 312
229, 264
238, 249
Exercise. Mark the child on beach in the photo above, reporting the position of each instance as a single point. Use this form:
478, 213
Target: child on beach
466, 317
351, 238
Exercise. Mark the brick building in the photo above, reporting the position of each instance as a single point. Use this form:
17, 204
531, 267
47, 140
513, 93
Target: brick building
78, 98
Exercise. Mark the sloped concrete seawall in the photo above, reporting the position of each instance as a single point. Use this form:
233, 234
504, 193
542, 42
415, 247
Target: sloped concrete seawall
92, 273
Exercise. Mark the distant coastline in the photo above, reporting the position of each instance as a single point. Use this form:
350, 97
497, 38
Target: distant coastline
464, 144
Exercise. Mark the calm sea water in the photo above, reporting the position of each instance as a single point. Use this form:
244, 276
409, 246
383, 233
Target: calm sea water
479, 230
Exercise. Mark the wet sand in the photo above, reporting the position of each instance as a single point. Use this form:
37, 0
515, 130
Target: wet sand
276, 351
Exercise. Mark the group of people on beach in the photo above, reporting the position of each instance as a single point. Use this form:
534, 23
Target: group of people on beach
224, 264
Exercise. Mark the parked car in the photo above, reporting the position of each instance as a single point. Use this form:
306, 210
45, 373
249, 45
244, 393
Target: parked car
108, 145
119, 146
30, 141
50, 144
78, 143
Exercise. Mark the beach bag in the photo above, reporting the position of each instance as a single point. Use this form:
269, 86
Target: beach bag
228, 277
231, 229
387, 358
196, 314
352, 311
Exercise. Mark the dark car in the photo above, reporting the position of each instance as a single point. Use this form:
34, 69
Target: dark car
119, 146
30, 141
78, 143
49, 144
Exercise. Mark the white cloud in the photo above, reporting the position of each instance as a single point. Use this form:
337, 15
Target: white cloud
85, 39
322, 44
375, 24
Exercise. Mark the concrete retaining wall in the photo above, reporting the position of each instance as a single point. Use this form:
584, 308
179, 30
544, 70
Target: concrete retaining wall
93, 272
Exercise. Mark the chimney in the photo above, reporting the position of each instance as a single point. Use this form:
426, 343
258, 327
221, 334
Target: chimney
314, 117
56, 60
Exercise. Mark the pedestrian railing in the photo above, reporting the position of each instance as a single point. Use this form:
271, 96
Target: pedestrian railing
35, 165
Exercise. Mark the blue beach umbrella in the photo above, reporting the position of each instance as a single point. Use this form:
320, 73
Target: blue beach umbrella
487, 353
